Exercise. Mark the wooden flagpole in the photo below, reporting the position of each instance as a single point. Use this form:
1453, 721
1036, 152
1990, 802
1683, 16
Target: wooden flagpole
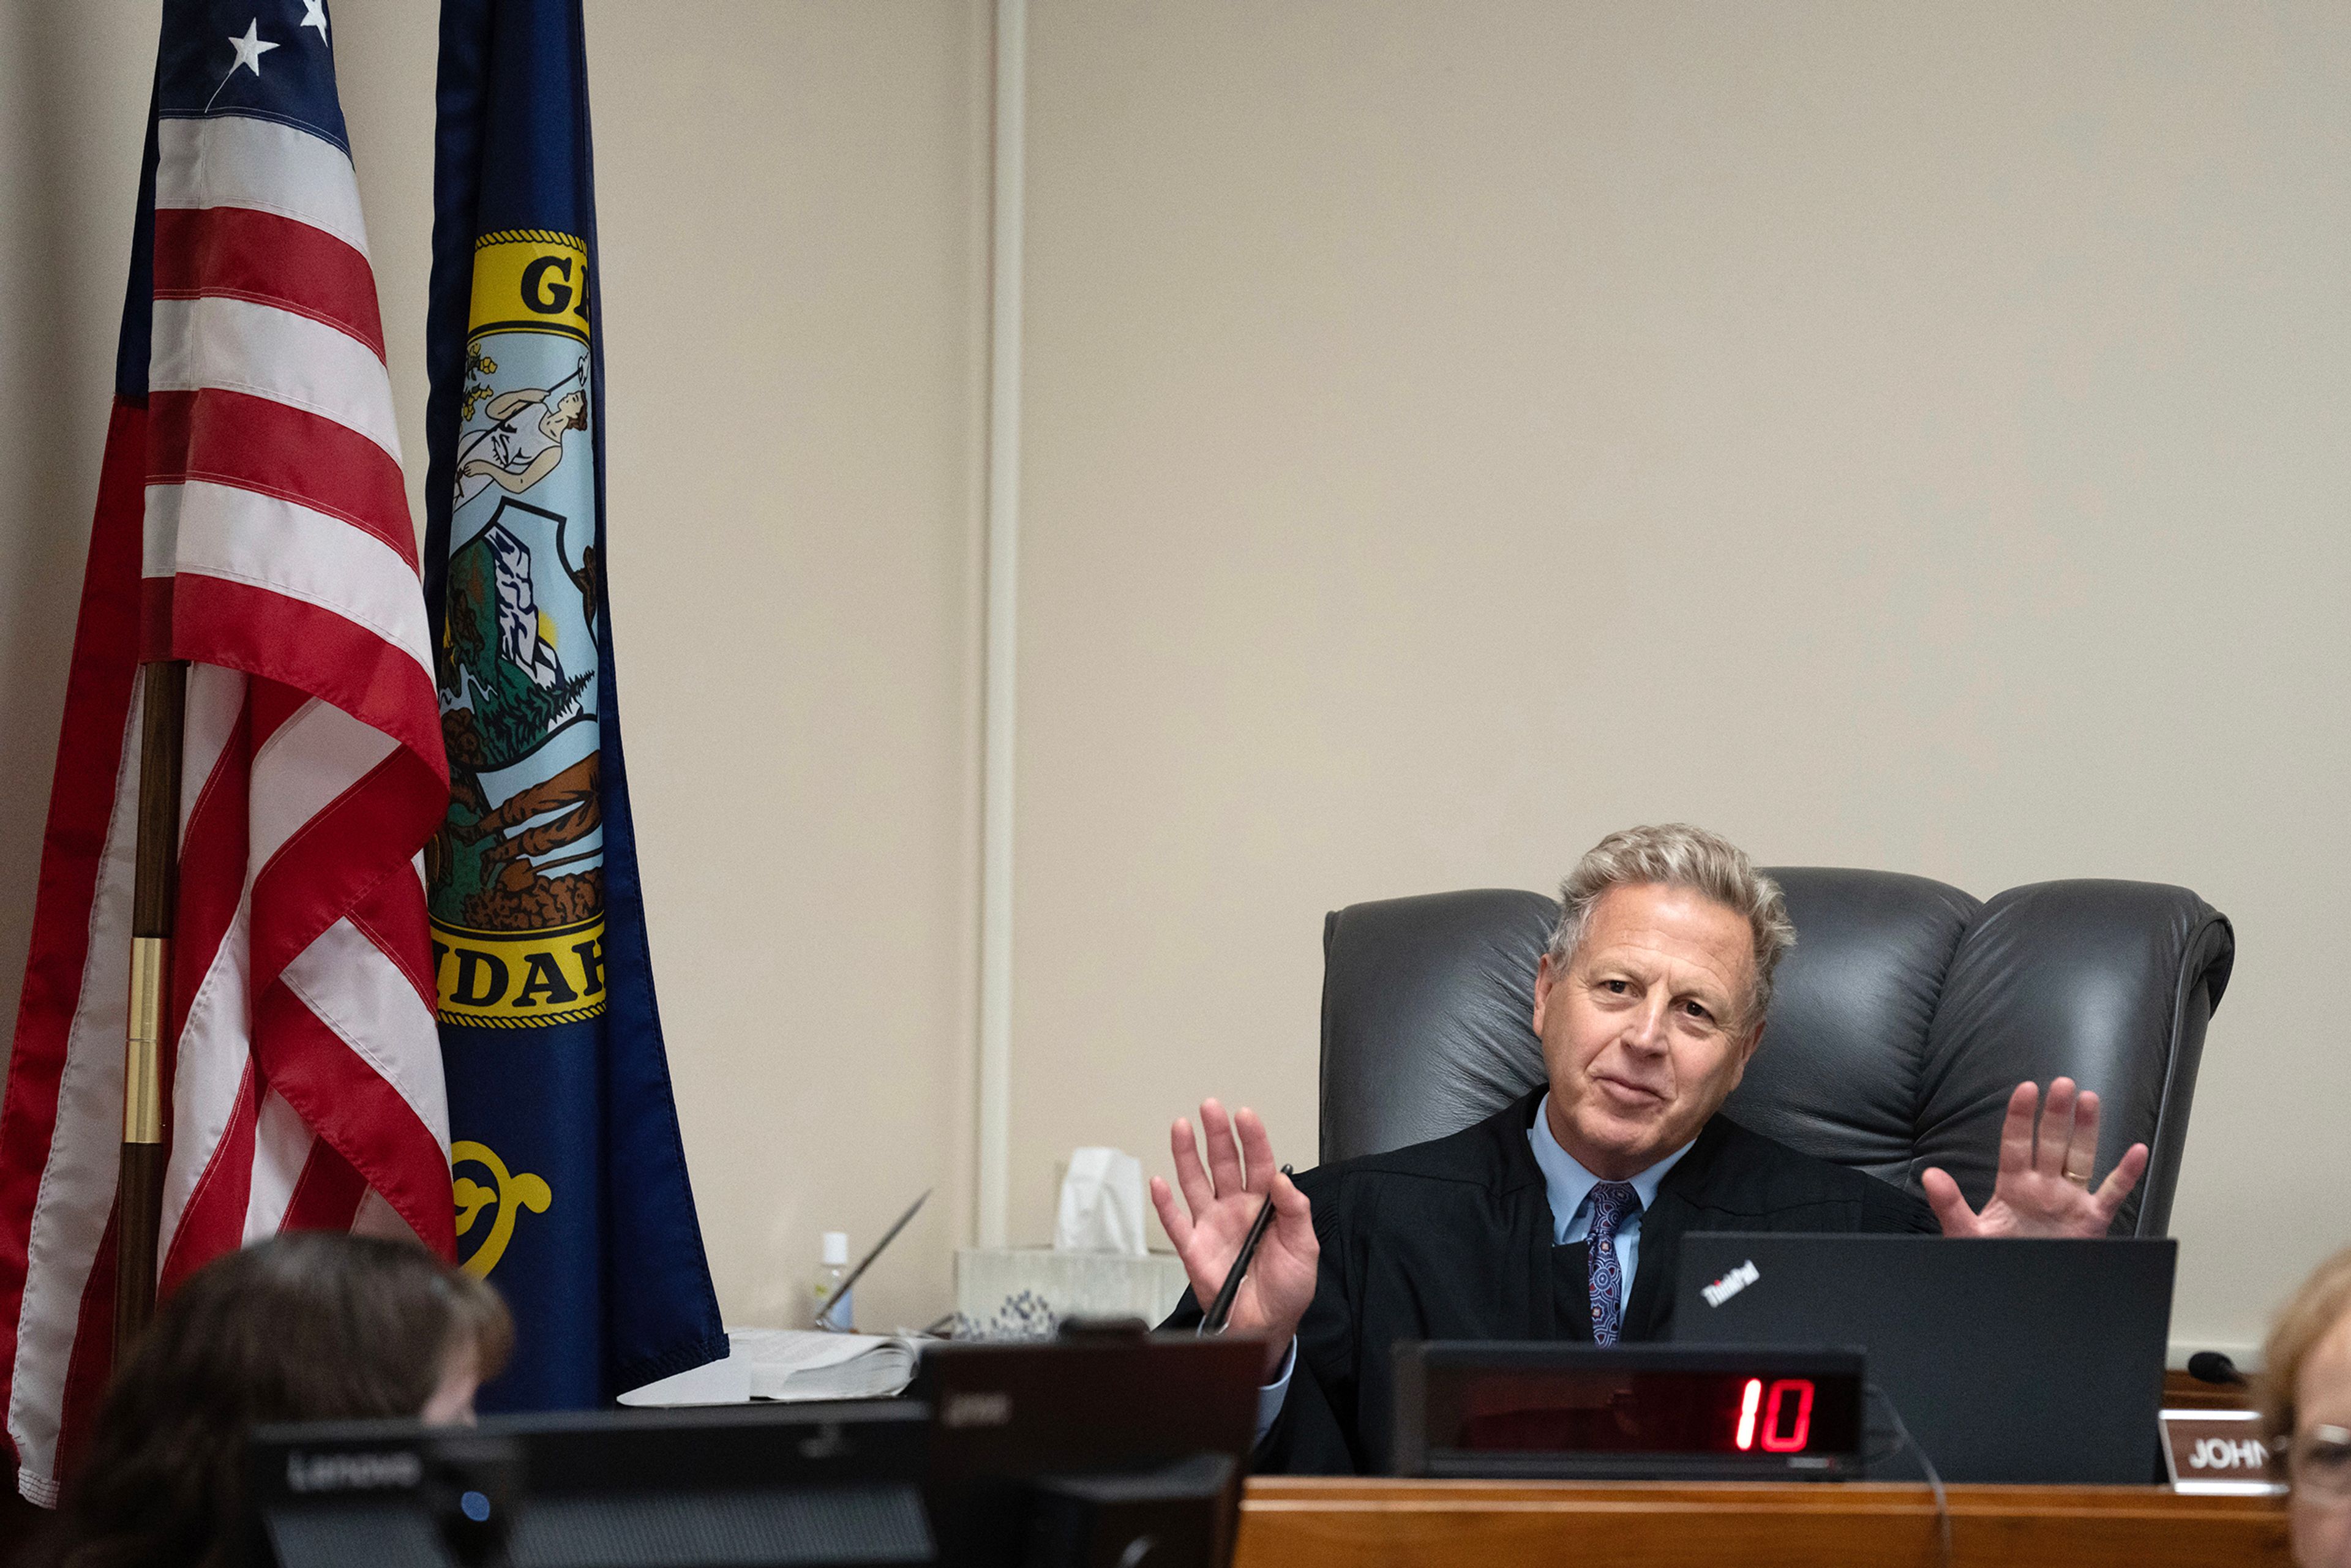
139, 1196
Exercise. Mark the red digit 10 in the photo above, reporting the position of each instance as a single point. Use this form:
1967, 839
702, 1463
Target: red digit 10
1798, 1425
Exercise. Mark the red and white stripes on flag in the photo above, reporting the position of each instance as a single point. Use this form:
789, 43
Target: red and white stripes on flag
251, 519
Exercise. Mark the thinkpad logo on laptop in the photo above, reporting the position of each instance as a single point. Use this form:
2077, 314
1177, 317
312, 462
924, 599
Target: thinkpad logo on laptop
1730, 1284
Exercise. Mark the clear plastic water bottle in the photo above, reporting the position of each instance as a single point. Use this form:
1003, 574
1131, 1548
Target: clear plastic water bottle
829, 1273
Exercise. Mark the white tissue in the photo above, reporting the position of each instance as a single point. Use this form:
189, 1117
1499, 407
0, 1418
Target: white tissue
1102, 1204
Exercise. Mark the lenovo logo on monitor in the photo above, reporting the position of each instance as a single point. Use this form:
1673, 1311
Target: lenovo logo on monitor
399, 1468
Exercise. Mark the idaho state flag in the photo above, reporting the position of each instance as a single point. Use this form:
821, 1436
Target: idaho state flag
570, 1177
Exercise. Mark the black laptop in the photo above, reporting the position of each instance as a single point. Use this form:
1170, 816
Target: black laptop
2010, 1361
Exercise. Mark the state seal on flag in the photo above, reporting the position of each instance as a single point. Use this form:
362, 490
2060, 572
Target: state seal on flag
515, 877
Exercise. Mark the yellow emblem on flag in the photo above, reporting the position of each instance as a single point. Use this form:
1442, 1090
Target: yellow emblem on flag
513, 1193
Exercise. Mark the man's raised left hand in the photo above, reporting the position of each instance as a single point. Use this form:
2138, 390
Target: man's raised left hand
2043, 1186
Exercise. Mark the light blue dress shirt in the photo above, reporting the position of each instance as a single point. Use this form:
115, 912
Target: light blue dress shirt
1569, 1187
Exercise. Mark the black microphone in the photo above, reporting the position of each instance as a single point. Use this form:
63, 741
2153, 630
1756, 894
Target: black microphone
2211, 1366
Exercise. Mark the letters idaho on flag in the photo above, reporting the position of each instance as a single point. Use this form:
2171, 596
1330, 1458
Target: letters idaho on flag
251, 519
571, 1190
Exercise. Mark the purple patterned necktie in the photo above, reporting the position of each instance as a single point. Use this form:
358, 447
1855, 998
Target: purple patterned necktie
1611, 1202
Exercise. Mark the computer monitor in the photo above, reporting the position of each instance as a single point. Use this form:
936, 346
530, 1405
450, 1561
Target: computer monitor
743, 1488
1045, 1452
2008, 1360
1040, 1454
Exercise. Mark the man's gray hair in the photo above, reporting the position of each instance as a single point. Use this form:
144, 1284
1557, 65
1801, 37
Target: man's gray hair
1679, 855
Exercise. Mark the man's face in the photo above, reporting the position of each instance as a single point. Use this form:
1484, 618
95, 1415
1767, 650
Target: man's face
1644, 1032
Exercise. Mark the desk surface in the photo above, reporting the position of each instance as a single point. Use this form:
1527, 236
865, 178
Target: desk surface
1308, 1522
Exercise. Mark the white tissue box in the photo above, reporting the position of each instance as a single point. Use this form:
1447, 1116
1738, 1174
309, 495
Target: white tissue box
1072, 1284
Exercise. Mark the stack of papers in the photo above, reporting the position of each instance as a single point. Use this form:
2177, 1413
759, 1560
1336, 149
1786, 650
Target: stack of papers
791, 1365
787, 1364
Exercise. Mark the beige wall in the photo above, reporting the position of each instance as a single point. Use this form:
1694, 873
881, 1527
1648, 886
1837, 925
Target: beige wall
1897, 436
793, 201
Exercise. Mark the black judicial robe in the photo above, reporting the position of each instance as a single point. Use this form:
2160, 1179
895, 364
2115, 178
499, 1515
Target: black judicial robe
1452, 1239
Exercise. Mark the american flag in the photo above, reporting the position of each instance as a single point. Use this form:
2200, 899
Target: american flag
251, 519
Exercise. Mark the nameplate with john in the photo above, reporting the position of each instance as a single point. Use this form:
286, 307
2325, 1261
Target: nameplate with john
2218, 1453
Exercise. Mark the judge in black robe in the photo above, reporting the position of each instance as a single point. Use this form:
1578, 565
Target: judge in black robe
1648, 1005
1452, 1239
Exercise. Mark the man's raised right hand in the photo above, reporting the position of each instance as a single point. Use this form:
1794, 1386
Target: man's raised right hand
1220, 1199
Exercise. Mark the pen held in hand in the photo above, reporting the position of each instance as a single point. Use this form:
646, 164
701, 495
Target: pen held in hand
1222, 1308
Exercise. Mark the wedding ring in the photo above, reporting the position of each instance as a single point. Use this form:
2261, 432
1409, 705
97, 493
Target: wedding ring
2079, 1178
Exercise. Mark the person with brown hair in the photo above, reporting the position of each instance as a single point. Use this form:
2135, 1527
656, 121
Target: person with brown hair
2306, 1400
311, 1326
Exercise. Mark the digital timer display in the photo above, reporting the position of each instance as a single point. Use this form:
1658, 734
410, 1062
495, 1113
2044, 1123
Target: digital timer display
1662, 1410
1634, 1412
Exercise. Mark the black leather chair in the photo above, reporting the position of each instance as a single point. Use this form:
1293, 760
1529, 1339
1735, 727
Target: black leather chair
1907, 1013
